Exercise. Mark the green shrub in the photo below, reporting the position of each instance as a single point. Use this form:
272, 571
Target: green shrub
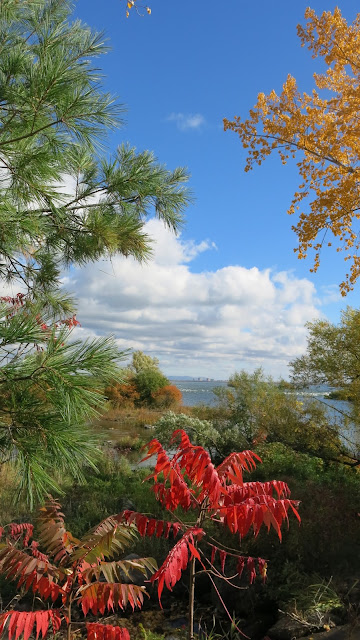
201, 431
147, 382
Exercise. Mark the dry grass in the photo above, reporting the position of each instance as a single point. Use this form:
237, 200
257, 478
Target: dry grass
140, 416
129, 443
11, 510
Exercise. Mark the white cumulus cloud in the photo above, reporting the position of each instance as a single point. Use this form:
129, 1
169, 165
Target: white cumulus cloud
202, 324
187, 121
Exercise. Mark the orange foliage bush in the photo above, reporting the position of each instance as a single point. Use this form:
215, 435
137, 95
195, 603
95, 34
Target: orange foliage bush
122, 395
167, 397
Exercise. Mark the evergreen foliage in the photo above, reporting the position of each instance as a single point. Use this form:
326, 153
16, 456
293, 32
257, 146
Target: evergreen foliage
62, 202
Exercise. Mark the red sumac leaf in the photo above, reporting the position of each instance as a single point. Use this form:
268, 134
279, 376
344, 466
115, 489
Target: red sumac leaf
222, 555
240, 565
151, 527
176, 561
141, 524
194, 551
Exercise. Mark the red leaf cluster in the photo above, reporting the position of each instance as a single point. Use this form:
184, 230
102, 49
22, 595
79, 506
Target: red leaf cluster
196, 463
25, 622
36, 553
177, 560
241, 562
230, 470
276, 488
178, 493
30, 571
150, 526
189, 479
255, 512
98, 597
77, 576
67, 322
240, 506
15, 303
70, 322
15, 531
96, 631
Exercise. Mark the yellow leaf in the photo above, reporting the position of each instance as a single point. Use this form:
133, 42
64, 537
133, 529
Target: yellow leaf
148, 10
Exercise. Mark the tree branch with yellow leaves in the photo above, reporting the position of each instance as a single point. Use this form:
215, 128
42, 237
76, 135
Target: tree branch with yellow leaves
321, 131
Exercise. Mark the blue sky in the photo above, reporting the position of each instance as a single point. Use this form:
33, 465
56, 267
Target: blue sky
179, 72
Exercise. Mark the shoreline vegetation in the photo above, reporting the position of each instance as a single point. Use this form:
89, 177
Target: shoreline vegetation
312, 582
321, 552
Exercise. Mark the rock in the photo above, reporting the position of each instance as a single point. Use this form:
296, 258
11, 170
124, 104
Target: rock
176, 629
127, 505
346, 632
286, 628
134, 576
178, 623
256, 626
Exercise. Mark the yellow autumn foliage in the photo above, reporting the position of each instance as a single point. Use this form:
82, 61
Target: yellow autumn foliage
321, 130
133, 4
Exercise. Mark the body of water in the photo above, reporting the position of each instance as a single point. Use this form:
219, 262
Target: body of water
201, 392
196, 392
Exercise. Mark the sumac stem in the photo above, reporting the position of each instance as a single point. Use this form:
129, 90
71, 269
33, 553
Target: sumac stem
191, 599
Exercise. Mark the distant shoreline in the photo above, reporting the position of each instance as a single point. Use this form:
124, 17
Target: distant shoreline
189, 379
